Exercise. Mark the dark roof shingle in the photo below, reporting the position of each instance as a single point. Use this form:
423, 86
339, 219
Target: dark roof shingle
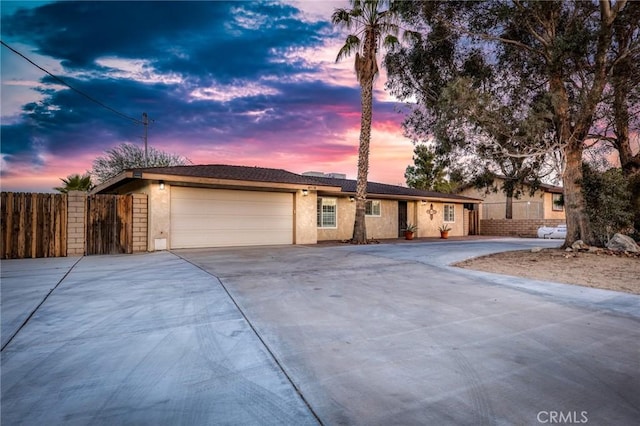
222, 171
376, 188
262, 174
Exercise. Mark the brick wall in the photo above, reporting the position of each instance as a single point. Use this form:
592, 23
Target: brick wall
140, 213
515, 227
76, 222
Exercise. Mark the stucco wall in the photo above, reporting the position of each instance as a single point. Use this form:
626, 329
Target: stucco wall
306, 231
527, 206
428, 227
386, 226
378, 227
549, 213
159, 210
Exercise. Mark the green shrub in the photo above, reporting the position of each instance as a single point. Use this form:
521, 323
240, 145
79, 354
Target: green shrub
608, 201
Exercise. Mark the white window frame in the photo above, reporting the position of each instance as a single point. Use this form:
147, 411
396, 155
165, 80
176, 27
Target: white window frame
372, 206
321, 214
449, 213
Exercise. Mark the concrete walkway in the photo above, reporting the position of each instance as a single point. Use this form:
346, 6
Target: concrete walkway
378, 334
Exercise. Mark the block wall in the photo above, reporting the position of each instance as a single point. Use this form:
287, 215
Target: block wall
515, 227
76, 223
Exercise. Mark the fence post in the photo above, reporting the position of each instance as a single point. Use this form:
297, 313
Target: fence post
140, 223
76, 223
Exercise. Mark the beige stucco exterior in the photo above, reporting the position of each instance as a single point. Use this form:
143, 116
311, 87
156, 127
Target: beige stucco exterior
429, 227
385, 226
304, 216
549, 212
159, 210
378, 227
527, 206
305, 198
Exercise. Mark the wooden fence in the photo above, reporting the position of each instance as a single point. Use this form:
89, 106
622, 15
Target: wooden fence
74, 224
109, 224
33, 225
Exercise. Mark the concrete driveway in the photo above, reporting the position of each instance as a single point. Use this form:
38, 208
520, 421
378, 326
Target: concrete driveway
378, 334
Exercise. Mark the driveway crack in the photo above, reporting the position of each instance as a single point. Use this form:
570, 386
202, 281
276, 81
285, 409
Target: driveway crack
40, 304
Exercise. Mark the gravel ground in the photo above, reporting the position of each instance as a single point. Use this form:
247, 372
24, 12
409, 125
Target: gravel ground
603, 269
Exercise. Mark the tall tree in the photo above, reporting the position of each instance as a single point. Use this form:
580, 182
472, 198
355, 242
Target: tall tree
373, 23
431, 173
563, 48
129, 156
75, 183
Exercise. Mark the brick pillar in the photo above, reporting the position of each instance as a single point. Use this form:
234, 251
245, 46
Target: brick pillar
76, 222
140, 223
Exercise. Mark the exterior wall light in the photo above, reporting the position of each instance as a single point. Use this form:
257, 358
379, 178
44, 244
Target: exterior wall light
162, 185
352, 199
305, 192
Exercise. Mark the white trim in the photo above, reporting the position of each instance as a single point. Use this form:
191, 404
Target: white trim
453, 213
320, 213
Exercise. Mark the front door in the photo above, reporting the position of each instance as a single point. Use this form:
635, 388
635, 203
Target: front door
402, 217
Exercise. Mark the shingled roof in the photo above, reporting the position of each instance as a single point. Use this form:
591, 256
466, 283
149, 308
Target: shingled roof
375, 188
278, 176
223, 171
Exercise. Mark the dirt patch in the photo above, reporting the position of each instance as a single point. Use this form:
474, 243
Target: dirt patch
603, 269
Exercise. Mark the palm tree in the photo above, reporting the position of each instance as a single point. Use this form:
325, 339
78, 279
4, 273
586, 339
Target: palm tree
75, 183
371, 26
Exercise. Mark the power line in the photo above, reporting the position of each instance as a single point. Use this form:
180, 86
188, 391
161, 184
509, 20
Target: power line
92, 99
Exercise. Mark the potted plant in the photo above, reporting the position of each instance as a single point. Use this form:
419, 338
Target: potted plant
444, 231
409, 231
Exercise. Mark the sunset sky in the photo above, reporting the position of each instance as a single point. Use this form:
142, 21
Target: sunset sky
242, 83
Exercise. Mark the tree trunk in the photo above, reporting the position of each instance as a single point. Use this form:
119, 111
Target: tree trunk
578, 225
508, 213
359, 226
629, 162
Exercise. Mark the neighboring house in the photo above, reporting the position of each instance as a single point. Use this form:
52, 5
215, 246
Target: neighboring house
221, 205
545, 203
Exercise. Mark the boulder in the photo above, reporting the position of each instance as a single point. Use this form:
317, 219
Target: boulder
579, 245
536, 249
620, 242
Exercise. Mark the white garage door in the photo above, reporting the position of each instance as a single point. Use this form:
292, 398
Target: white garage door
220, 218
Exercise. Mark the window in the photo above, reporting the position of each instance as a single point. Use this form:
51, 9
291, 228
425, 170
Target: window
557, 202
449, 213
372, 208
327, 212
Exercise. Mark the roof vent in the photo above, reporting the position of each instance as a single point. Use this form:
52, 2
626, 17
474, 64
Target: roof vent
327, 175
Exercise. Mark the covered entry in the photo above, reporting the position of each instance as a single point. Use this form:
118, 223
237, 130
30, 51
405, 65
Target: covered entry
202, 217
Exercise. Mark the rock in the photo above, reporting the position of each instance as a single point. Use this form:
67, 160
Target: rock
593, 249
621, 242
568, 249
536, 250
579, 245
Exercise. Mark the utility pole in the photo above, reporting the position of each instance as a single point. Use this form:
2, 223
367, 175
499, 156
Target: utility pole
145, 123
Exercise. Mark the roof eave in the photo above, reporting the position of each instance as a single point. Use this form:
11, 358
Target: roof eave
209, 181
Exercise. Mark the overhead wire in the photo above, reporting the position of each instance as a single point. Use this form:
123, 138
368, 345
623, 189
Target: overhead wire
80, 92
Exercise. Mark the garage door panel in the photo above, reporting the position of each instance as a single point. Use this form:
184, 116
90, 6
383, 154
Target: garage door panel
216, 218
204, 223
226, 238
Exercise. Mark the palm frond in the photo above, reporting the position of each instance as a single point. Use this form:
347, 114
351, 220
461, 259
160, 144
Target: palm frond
351, 45
341, 17
390, 41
